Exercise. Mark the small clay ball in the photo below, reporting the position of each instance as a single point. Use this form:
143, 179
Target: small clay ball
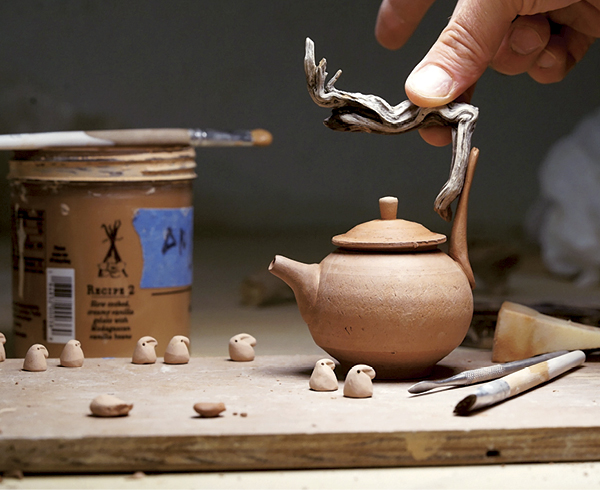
109, 406
72, 354
35, 358
207, 409
241, 347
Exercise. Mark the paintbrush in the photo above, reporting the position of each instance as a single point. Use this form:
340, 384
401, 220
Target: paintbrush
518, 382
482, 374
136, 137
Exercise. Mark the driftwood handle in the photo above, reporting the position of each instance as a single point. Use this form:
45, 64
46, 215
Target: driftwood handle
372, 114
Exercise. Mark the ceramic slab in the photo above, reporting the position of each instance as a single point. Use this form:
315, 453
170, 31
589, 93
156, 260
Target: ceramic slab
273, 420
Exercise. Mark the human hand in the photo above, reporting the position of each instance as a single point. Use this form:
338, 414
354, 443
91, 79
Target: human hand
544, 38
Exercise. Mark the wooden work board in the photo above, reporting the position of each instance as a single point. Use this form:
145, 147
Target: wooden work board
274, 421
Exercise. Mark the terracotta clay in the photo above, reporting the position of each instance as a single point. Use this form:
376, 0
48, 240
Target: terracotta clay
177, 351
388, 297
241, 347
145, 352
208, 410
323, 377
35, 359
2, 351
358, 382
72, 354
109, 406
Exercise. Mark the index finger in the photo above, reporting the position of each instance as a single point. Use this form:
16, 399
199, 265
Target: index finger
398, 19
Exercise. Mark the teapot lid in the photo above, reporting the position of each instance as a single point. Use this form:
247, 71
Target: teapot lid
389, 233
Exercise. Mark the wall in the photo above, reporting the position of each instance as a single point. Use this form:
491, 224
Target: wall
74, 64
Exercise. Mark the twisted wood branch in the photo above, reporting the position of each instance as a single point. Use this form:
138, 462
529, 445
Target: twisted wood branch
372, 114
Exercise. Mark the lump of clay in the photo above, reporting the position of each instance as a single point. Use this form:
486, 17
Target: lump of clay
323, 377
241, 347
145, 352
177, 351
2, 351
205, 409
358, 382
72, 354
35, 358
109, 406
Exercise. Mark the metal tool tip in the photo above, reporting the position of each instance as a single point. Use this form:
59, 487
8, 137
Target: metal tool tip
421, 387
261, 137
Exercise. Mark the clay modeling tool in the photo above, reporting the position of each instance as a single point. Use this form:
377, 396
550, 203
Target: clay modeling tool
479, 375
136, 137
518, 382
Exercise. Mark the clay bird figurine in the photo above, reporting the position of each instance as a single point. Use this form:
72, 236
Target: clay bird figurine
177, 351
35, 358
145, 352
72, 354
2, 351
358, 382
323, 378
241, 347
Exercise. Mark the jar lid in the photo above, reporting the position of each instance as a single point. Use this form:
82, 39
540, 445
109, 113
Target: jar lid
389, 233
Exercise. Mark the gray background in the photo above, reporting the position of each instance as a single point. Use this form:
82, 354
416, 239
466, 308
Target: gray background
73, 64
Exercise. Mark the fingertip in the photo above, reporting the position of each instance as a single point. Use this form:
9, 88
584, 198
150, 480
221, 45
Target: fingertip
436, 135
430, 85
553, 63
522, 45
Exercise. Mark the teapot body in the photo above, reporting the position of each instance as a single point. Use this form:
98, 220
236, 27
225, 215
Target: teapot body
397, 312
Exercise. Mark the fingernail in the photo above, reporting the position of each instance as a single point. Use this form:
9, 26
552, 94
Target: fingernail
546, 59
430, 81
525, 40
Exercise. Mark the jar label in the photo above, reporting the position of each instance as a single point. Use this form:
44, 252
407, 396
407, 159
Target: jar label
166, 235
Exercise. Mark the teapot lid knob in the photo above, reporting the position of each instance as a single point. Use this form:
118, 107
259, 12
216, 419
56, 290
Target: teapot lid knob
388, 207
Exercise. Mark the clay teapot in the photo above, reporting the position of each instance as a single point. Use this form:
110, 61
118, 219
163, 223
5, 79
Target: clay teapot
388, 296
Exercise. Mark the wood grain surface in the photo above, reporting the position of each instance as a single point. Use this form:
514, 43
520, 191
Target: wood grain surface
274, 421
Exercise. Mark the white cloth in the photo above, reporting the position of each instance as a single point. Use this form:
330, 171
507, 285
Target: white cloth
566, 219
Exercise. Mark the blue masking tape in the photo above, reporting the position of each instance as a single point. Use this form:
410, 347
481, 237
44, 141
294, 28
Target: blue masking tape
167, 238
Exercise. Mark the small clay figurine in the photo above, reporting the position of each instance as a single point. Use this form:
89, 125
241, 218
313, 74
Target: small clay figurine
323, 377
358, 382
2, 351
35, 358
109, 406
241, 347
145, 352
209, 410
177, 351
72, 354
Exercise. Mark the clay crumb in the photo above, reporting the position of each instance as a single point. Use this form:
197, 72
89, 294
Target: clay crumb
209, 410
109, 406
138, 475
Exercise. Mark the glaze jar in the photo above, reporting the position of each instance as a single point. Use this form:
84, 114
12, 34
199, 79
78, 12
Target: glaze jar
102, 246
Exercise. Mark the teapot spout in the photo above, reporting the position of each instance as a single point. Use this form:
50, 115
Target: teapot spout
302, 278
457, 246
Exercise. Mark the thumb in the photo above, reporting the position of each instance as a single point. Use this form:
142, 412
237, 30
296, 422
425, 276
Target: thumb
462, 52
